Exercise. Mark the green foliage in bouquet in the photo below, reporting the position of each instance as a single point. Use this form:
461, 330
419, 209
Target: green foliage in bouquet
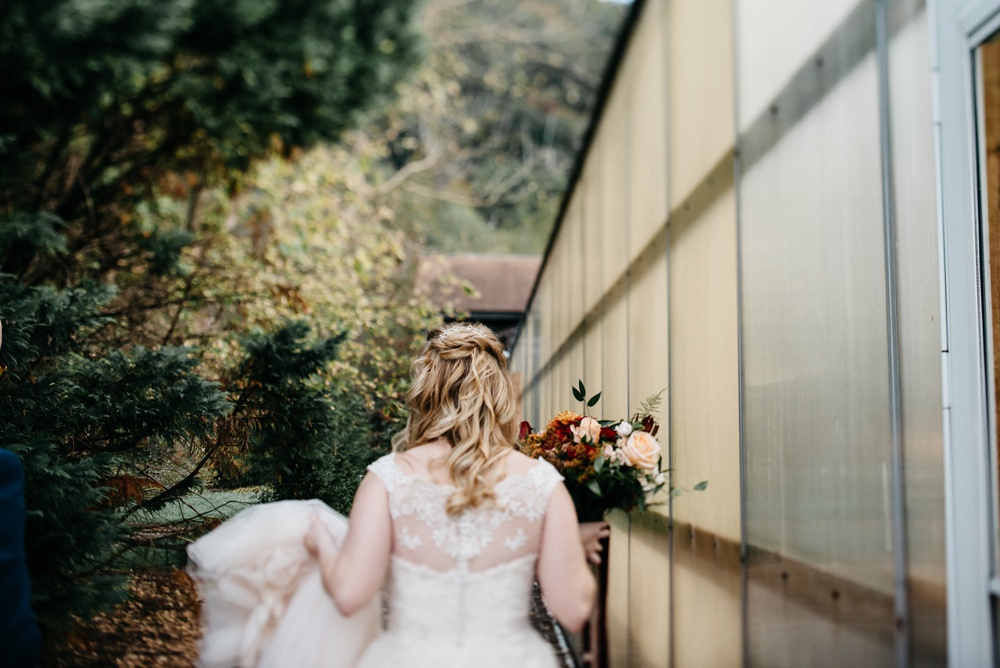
606, 464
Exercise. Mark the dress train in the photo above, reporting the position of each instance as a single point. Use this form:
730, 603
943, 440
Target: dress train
263, 602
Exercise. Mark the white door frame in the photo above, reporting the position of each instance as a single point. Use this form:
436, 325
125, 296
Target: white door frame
959, 27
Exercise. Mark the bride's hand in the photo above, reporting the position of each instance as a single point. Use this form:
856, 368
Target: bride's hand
591, 534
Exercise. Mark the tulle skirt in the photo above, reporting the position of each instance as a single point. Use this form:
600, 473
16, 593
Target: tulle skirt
263, 602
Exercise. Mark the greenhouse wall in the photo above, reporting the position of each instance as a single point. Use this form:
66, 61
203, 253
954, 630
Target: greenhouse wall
754, 227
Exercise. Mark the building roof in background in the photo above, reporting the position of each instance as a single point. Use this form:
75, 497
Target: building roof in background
501, 283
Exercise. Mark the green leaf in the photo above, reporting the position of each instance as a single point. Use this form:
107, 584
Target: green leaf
701, 486
594, 487
578, 395
583, 390
598, 464
593, 400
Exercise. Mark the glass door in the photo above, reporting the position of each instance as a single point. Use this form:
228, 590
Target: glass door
987, 64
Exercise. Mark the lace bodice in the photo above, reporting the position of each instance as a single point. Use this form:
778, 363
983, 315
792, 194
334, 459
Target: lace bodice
459, 587
458, 591
477, 539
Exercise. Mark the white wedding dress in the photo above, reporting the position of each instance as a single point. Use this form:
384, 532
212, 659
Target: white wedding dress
459, 588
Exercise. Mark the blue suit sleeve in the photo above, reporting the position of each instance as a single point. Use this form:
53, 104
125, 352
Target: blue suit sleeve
19, 634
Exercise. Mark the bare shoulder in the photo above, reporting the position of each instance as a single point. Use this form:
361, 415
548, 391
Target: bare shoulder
519, 463
428, 461
415, 459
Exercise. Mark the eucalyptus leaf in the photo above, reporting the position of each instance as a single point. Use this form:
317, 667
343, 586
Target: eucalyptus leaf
701, 486
598, 464
594, 487
593, 400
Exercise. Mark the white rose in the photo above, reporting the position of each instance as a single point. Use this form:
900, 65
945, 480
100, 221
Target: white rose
609, 452
641, 451
589, 430
624, 428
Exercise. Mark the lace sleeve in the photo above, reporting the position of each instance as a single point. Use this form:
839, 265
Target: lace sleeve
545, 478
387, 471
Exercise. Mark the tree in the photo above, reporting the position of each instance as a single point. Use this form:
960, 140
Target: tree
110, 97
478, 146
76, 415
125, 121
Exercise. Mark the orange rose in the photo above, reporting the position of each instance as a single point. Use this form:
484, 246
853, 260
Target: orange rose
641, 451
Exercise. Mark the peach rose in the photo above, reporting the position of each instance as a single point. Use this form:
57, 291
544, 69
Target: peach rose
641, 451
589, 429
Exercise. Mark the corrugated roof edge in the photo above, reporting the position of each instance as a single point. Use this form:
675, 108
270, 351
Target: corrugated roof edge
604, 92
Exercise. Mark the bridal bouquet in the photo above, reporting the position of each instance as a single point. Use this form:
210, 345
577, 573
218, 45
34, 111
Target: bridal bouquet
606, 464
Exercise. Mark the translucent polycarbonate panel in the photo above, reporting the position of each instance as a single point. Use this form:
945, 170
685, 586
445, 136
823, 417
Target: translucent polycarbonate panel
541, 317
704, 369
593, 355
794, 620
707, 600
568, 373
573, 228
552, 384
536, 365
589, 192
560, 384
617, 605
775, 38
816, 384
611, 137
519, 372
815, 364
648, 370
919, 309
542, 312
576, 371
551, 406
540, 401
647, 183
701, 91
521, 363
522, 353
615, 362
557, 274
649, 589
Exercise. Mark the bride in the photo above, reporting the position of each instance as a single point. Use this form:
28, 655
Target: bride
454, 527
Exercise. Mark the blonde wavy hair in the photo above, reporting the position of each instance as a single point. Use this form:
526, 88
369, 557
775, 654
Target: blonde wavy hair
462, 393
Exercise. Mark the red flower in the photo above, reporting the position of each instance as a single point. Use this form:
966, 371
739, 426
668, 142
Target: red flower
649, 424
524, 431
